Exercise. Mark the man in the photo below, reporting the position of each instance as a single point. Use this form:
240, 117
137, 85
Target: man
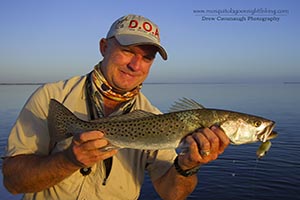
78, 168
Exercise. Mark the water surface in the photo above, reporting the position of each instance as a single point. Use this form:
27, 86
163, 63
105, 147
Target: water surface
236, 174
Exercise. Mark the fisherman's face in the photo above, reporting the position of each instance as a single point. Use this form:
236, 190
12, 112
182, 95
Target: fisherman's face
125, 67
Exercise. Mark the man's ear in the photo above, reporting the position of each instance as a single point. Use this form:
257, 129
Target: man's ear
103, 46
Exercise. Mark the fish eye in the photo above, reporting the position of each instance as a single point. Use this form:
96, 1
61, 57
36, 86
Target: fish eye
257, 123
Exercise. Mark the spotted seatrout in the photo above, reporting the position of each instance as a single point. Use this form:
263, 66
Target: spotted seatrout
144, 130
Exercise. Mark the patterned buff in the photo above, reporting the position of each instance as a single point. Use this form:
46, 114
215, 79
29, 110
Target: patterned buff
107, 90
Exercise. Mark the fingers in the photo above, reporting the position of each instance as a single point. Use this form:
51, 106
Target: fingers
205, 145
212, 140
87, 148
90, 140
223, 139
87, 136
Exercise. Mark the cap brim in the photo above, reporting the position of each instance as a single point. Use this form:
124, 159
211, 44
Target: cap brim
128, 39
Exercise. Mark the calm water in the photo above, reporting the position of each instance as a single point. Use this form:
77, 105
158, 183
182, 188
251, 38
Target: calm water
236, 174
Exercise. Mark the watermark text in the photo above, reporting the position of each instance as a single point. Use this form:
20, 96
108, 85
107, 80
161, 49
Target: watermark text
241, 15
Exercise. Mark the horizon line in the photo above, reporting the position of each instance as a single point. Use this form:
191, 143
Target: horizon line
221, 82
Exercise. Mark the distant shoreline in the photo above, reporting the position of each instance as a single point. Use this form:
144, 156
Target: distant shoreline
171, 83
21, 83
292, 82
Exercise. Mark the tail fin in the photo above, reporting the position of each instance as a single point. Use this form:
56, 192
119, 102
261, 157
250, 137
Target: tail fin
58, 118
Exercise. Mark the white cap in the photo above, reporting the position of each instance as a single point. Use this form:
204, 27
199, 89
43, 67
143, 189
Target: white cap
136, 30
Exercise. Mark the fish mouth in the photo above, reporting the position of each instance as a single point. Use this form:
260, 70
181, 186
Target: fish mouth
267, 133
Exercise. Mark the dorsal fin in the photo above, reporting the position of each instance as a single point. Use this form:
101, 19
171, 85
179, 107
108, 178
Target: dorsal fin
185, 104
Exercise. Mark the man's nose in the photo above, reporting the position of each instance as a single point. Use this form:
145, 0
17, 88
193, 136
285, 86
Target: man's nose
135, 62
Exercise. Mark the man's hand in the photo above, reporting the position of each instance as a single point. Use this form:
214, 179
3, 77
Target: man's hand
88, 148
204, 145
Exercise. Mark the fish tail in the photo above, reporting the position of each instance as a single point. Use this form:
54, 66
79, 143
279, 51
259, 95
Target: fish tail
59, 118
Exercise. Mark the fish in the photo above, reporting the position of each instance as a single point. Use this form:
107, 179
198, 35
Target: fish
263, 149
144, 130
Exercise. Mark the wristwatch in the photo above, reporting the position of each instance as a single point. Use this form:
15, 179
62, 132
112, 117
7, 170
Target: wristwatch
185, 173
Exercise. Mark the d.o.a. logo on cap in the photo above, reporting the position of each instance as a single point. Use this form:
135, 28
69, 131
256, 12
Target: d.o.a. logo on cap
145, 26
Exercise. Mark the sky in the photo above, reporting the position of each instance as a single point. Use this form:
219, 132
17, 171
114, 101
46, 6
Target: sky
206, 40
